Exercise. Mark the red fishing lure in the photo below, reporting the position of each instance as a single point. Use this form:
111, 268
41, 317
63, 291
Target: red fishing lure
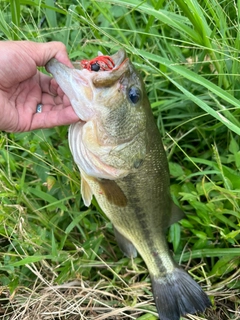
100, 63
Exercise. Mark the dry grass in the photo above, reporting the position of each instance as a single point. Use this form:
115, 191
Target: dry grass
77, 300
100, 300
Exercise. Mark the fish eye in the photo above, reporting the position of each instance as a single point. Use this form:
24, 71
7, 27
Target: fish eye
134, 95
95, 67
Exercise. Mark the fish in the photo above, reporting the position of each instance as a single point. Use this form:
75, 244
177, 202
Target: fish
119, 151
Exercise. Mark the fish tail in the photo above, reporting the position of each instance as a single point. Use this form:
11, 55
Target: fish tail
177, 294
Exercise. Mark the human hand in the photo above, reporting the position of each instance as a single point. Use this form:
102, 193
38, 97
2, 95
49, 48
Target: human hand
23, 87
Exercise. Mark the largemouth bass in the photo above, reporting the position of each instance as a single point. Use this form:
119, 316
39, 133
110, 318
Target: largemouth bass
119, 152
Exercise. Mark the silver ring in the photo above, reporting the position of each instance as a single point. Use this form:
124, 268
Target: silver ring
39, 108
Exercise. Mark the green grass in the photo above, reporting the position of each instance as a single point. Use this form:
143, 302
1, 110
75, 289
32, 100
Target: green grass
59, 259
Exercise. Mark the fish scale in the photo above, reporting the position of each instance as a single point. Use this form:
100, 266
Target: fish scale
119, 152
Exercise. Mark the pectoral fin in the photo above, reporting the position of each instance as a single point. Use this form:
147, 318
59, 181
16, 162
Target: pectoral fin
113, 192
125, 245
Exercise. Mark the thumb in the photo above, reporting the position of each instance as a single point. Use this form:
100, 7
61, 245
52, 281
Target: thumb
41, 53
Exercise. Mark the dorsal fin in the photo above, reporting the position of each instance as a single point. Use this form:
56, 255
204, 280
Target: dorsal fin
176, 215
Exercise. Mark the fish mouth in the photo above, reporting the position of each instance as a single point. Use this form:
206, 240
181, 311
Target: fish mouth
107, 78
80, 85
76, 85
118, 58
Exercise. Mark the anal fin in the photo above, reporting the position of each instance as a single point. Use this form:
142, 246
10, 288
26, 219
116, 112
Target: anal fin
125, 245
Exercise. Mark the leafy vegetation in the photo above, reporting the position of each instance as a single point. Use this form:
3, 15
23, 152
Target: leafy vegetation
59, 259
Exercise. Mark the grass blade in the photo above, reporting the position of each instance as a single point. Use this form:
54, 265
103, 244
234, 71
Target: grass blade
15, 12
51, 15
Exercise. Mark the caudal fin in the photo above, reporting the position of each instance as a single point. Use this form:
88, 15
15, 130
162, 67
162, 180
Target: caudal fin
177, 294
